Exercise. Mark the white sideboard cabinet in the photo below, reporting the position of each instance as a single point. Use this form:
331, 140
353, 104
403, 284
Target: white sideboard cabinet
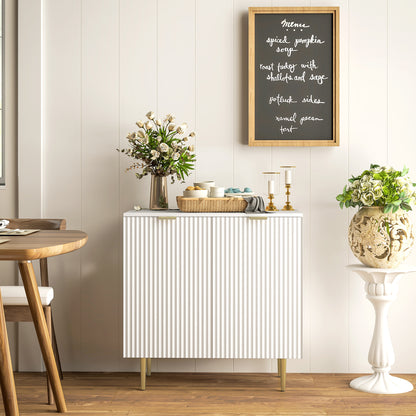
212, 285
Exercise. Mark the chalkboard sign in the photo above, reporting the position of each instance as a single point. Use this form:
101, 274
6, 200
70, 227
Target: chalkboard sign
293, 76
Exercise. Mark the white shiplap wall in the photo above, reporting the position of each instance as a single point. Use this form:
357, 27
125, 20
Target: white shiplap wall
102, 64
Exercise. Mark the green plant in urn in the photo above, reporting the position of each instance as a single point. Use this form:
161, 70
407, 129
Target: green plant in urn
381, 233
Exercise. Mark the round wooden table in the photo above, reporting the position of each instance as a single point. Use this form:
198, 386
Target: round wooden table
24, 249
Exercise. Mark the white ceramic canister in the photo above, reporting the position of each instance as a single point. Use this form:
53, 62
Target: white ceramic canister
216, 192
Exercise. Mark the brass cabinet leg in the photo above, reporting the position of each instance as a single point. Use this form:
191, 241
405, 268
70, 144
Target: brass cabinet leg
149, 367
282, 372
279, 368
143, 373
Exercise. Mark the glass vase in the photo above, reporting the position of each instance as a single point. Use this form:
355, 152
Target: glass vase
158, 192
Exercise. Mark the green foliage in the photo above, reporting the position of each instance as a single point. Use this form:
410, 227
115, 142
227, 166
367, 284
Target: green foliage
162, 202
160, 148
379, 186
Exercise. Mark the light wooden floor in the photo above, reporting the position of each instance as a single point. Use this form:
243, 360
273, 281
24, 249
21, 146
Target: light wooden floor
210, 394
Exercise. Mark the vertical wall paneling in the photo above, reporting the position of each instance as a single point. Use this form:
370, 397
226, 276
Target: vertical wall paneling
100, 184
214, 91
300, 198
367, 84
176, 89
30, 143
89, 69
400, 110
176, 69
138, 95
30, 105
368, 141
138, 86
328, 239
62, 127
62, 180
248, 162
8, 192
214, 123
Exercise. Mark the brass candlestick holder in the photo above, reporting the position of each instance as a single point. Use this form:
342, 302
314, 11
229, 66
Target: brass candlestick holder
272, 177
288, 181
287, 206
271, 206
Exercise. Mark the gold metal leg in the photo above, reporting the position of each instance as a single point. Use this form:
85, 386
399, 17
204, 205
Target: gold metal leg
143, 373
282, 372
279, 368
149, 367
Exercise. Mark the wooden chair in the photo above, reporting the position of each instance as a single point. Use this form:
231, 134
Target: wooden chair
16, 308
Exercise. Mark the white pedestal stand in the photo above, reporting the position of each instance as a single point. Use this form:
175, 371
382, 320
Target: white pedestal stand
381, 286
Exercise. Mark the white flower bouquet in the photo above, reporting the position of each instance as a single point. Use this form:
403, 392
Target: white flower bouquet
161, 148
379, 186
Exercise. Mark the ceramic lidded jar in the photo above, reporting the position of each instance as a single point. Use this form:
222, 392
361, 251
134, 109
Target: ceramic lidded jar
378, 239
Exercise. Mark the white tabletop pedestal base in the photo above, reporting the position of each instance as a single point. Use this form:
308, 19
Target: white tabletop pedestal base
381, 286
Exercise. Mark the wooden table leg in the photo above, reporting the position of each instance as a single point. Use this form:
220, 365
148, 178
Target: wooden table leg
8, 388
35, 305
48, 317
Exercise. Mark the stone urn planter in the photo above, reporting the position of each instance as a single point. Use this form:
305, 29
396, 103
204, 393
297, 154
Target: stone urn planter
379, 239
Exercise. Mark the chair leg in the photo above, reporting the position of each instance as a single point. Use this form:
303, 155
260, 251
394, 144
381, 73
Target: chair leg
8, 388
55, 350
48, 318
143, 373
44, 278
149, 367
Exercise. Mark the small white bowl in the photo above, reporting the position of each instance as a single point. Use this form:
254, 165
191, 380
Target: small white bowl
205, 185
203, 193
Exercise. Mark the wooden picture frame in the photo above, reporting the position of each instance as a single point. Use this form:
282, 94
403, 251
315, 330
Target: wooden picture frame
321, 129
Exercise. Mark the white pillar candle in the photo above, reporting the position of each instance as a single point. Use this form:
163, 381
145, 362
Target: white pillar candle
288, 176
271, 187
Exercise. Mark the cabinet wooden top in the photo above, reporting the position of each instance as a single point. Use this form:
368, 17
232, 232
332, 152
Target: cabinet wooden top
42, 244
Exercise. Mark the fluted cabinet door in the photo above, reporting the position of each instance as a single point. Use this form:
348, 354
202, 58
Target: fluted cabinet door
256, 283
167, 287
212, 285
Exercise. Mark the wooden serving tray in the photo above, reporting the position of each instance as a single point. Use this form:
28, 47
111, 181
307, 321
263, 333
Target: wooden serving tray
211, 204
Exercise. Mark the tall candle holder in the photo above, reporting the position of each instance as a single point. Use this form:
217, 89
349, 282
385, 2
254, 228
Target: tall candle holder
270, 190
288, 183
